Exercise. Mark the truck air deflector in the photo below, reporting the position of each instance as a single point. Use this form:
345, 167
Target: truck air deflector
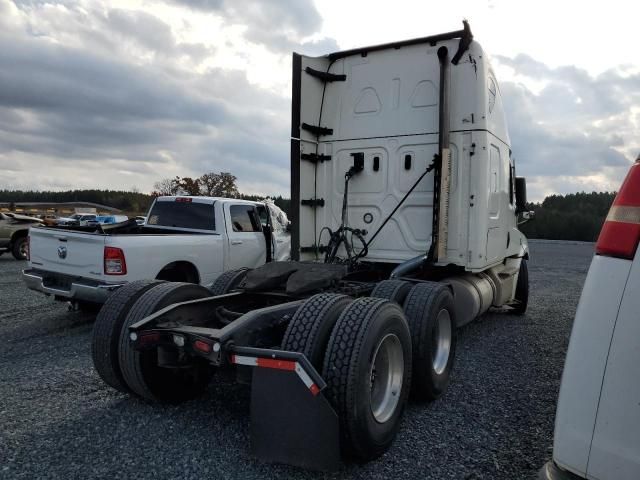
464, 35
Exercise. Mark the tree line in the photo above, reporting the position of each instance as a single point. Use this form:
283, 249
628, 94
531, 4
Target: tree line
211, 184
576, 216
134, 202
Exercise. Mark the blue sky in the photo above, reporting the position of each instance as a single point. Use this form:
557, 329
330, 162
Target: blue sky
119, 94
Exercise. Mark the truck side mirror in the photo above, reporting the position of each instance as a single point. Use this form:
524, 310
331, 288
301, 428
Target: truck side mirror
521, 194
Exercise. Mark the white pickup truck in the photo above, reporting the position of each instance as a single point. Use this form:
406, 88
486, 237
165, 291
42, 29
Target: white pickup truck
186, 239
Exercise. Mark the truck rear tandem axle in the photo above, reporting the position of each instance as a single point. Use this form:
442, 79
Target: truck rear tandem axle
330, 372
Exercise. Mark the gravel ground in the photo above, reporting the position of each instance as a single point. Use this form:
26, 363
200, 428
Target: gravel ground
58, 420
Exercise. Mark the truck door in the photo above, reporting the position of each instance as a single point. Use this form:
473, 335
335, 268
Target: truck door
246, 241
280, 237
498, 196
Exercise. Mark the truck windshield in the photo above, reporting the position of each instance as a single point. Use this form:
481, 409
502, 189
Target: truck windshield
198, 216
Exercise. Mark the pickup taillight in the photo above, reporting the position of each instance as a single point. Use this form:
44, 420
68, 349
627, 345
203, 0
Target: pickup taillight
114, 262
621, 230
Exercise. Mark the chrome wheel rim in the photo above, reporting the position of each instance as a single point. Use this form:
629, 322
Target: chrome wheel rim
441, 342
23, 250
386, 377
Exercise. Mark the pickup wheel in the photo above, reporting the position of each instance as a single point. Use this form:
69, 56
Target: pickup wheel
430, 313
367, 368
228, 281
522, 290
105, 340
309, 330
394, 290
19, 248
141, 371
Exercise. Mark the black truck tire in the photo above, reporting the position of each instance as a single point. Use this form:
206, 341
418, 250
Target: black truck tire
522, 289
105, 339
394, 290
228, 281
310, 328
140, 370
368, 396
431, 316
19, 247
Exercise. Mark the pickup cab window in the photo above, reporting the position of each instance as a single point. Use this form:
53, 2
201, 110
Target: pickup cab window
196, 216
244, 218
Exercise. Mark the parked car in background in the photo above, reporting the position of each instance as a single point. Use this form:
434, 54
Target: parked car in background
14, 230
78, 219
49, 219
185, 239
111, 219
597, 429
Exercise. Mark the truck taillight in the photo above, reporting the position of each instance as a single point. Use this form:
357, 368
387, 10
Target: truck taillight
114, 262
621, 230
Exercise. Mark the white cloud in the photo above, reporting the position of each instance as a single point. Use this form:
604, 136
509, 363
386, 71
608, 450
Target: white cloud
124, 92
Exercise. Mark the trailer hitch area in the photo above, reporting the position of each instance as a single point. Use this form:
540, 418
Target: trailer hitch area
292, 422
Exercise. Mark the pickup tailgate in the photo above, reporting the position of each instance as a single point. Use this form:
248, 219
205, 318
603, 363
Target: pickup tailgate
71, 253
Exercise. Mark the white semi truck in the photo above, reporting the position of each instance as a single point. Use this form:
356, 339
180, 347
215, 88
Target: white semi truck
405, 209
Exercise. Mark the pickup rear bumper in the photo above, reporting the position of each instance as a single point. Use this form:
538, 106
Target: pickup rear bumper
68, 287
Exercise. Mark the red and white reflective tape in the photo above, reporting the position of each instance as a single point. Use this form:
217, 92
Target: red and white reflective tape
289, 365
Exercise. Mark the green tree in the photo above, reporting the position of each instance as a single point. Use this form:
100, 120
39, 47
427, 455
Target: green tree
188, 185
221, 184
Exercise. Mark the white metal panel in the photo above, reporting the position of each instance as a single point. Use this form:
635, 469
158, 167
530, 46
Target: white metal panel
376, 194
495, 181
585, 362
147, 254
386, 106
67, 252
457, 239
496, 121
387, 93
615, 450
388, 99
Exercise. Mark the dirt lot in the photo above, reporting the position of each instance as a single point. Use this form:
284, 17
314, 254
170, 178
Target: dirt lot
58, 420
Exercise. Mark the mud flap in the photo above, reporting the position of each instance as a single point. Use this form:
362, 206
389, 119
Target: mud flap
292, 422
